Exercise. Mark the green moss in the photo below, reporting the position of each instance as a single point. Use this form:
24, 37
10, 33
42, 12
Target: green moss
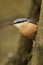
29, 56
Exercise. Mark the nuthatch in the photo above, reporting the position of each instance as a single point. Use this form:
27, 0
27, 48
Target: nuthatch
26, 27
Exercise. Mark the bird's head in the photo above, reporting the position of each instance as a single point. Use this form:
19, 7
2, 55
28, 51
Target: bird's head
26, 27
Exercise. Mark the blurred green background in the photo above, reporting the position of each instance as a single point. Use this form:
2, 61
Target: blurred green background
9, 35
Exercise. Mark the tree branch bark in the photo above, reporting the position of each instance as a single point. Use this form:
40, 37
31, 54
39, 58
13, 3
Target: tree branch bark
37, 58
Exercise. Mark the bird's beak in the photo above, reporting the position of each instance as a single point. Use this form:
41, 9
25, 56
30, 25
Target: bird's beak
12, 23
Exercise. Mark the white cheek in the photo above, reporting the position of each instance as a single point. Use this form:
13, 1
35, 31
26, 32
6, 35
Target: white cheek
18, 25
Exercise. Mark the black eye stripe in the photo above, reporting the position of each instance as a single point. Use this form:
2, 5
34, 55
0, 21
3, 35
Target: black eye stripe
20, 22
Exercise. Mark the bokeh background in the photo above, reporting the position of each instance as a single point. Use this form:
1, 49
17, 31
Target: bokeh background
9, 35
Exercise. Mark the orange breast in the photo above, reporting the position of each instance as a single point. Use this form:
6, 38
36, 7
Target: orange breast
28, 30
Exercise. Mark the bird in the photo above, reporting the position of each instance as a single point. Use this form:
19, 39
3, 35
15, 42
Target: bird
26, 27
